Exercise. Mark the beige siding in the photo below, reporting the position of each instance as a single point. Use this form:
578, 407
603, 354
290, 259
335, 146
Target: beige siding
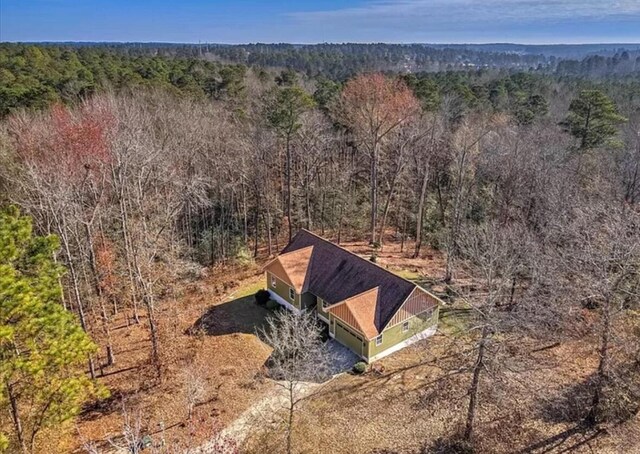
321, 310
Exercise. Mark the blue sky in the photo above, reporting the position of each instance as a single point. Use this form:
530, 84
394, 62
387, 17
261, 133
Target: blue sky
310, 21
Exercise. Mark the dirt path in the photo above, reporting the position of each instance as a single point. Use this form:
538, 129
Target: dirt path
258, 415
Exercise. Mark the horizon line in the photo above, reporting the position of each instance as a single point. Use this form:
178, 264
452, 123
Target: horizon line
447, 43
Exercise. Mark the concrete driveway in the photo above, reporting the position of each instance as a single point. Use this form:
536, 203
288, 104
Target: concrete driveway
342, 359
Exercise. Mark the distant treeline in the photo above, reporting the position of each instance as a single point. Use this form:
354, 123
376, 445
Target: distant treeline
35, 76
341, 61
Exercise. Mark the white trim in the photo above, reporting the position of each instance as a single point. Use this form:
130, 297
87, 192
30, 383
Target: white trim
292, 294
321, 317
413, 339
280, 300
405, 326
379, 339
274, 280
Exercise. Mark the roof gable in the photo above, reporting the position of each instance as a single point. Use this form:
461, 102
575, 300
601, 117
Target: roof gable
359, 310
292, 267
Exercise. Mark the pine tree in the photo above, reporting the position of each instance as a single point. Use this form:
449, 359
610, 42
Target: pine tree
42, 346
592, 119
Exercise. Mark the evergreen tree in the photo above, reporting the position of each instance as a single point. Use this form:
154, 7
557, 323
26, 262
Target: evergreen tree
285, 107
592, 119
42, 347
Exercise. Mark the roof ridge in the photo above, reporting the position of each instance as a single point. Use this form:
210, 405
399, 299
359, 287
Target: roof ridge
361, 258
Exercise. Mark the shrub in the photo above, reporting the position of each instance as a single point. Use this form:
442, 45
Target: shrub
262, 296
244, 256
272, 305
360, 367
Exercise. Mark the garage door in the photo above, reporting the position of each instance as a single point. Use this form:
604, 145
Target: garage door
349, 338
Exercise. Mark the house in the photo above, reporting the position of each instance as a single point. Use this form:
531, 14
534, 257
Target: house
367, 308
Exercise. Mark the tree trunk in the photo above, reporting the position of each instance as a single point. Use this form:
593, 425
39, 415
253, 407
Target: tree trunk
103, 310
387, 203
256, 226
124, 225
15, 417
420, 213
290, 420
288, 177
602, 376
374, 192
475, 384
153, 328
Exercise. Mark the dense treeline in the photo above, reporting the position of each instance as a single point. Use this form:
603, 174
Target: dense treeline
508, 175
36, 76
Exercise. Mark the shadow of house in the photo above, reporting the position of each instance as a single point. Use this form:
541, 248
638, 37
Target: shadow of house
241, 315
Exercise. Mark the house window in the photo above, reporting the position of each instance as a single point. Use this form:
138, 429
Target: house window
379, 340
292, 294
273, 281
405, 326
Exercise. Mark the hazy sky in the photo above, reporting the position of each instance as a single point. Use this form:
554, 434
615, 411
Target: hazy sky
310, 21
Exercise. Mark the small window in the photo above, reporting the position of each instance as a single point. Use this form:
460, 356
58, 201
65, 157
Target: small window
379, 340
292, 294
273, 281
405, 326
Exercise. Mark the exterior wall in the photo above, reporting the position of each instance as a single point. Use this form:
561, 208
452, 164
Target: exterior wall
348, 336
280, 300
320, 309
343, 331
282, 290
394, 335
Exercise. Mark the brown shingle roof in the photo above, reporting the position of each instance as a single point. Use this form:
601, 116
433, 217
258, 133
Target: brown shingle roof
335, 274
292, 267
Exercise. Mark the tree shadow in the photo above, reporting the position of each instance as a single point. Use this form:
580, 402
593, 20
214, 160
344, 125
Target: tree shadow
102, 407
241, 315
570, 405
566, 441
453, 443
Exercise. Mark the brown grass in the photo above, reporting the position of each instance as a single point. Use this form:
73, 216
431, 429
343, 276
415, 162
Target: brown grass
205, 327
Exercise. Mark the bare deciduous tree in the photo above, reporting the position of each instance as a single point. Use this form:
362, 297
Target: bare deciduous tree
299, 361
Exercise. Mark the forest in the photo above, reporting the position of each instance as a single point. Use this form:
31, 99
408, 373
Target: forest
127, 178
